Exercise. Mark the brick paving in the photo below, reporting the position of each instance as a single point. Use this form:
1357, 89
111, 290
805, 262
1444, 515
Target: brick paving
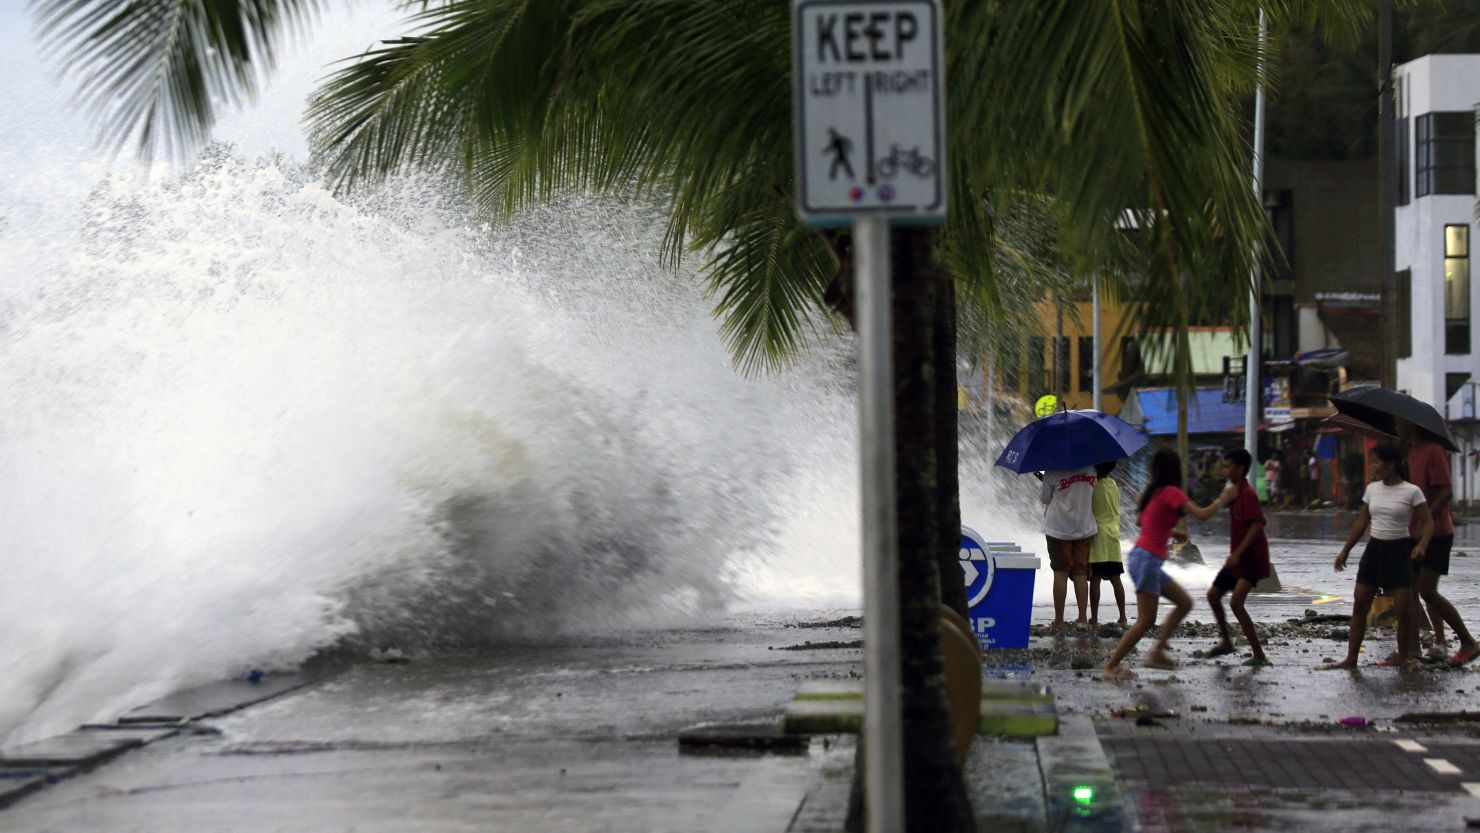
1193, 777
1278, 764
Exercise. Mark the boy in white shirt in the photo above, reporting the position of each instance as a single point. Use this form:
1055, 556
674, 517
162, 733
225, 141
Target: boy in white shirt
1069, 525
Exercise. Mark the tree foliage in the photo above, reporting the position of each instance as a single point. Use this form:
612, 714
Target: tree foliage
155, 73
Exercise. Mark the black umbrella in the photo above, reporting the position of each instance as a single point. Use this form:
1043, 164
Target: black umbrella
1381, 408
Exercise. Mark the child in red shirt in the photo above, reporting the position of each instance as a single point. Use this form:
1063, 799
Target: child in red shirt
1162, 505
1248, 558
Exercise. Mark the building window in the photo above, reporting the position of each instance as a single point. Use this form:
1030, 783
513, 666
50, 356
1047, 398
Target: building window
1403, 163
1087, 364
1130, 358
1037, 385
1446, 153
1011, 368
1405, 313
1457, 289
1401, 146
1061, 363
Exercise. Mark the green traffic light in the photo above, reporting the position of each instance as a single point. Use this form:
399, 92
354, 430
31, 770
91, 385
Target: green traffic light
1084, 795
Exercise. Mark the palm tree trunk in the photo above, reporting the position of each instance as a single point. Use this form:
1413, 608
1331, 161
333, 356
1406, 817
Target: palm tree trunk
947, 450
935, 792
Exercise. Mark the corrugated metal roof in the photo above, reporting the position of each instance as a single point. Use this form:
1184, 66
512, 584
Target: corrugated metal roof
1155, 411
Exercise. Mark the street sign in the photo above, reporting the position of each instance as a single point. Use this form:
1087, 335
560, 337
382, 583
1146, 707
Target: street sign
870, 110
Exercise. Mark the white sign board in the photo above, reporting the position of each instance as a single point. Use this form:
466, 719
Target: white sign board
870, 110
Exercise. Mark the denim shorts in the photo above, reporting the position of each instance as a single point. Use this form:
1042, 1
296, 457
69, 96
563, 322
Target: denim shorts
1147, 571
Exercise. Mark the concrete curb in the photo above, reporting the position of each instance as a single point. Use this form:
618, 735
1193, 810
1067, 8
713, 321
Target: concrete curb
1082, 795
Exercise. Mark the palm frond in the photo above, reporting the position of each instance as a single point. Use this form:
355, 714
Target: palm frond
767, 279
1126, 106
154, 73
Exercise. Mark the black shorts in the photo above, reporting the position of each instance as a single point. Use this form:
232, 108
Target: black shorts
1251, 568
1106, 569
1387, 564
1436, 557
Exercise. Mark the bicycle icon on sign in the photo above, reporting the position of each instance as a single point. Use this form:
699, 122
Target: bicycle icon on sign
910, 160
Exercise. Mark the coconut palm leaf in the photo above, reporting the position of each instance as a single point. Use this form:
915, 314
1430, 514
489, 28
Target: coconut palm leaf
1098, 106
155, 72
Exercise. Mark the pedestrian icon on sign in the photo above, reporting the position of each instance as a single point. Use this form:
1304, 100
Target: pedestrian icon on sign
839, 146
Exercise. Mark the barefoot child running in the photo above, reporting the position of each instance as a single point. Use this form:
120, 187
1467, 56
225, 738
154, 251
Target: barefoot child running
1162, 505
1248, 558
1387, 505
1104, 552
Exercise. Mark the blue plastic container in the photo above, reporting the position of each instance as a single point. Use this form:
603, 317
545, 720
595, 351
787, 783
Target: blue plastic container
999, 590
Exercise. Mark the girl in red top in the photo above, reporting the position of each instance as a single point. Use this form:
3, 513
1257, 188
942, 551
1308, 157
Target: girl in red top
1162, 505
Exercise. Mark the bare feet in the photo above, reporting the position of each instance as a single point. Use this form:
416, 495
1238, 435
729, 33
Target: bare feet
1122, 622
1058, 626
1117, 674
1344, 665
1160, 661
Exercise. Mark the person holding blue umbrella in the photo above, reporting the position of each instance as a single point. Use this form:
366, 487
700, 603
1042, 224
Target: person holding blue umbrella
1069, 525
1065, 447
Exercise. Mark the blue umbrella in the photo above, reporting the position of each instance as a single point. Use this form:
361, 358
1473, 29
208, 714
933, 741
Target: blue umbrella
1070, 440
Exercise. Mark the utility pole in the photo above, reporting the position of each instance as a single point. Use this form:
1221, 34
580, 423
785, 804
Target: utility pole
1387, 193
1094, 295
1253, 363
1060, 359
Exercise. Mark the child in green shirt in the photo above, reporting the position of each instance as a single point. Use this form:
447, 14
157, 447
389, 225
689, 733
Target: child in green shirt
1104, 552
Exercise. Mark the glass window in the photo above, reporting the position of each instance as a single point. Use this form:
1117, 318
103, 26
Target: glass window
1405, 313
1130, 357
1446, 153
1061, 363
1401, 145
1037, 353
1087, 364
1011, 365
1457, 289
1403, 164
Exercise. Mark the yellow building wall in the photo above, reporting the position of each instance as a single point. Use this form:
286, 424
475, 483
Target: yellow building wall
1079, 330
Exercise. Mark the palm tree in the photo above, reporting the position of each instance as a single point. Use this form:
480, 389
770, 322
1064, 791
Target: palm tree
1107, 106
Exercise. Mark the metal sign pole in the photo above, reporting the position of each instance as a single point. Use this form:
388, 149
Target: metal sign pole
1099, 402
1253, 363
870, 140
883, 773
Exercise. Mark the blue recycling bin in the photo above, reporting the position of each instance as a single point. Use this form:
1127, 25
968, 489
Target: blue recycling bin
999, 590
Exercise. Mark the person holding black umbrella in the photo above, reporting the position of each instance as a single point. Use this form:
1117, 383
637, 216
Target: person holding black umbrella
1424, 435
1428, 469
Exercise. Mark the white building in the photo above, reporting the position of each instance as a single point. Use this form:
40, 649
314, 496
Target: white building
1438, 97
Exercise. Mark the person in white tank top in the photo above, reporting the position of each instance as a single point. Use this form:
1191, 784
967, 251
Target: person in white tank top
1389, 503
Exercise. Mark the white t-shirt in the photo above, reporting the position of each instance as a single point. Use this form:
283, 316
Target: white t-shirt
1069, 514
1391, 507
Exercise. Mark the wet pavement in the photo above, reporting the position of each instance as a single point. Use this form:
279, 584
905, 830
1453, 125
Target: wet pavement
577, 736
583, 735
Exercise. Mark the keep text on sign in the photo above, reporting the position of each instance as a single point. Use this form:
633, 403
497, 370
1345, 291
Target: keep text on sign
870, 110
